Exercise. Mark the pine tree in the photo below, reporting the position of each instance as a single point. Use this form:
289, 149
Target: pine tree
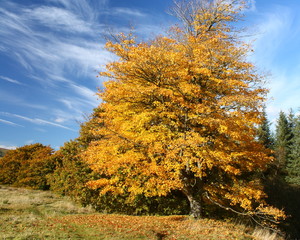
284, 136
264, 133
293, 160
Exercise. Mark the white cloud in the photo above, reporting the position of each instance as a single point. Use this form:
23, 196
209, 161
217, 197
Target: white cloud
76, 106
275, 29
85, 92
251, 5
81, 55
24, 37
34, 48
36, 120
69, 103
84, 8
58, 19
127, 11
18, 100
8, 147
272, 30
12, 23
60, 120
28, 142
72, 116
60, 45
9, 123
20, 59
11, 80
49, 57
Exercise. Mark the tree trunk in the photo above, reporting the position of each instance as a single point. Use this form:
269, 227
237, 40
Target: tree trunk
193, 192
195, 206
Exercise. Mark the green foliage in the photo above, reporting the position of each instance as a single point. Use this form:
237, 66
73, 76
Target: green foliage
70, 173
27, 166
3, 151
287, 147
264, 133
285, 196
283, 177
284, 136
293, 161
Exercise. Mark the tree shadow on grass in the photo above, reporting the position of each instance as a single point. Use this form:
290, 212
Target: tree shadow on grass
287, 197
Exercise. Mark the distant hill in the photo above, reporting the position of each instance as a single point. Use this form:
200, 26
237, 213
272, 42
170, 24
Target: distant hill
3, 151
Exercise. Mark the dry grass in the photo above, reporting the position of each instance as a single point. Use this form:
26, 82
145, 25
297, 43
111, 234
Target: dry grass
151, 227
30, 214
262, 234
24, 213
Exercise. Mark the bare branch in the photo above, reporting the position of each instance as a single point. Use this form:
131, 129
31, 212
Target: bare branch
251, 215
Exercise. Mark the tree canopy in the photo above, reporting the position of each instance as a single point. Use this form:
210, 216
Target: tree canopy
27, 166
293, 159
180, 112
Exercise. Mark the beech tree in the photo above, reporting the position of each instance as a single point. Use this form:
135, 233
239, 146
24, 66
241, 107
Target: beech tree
180, 112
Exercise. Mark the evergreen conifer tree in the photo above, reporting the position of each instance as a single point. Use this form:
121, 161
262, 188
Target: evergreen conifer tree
291, 125
293, 160
283, 140
264, 133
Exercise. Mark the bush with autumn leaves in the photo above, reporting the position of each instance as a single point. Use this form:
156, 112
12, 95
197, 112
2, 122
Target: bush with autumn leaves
40, 167
27, 166
72, 173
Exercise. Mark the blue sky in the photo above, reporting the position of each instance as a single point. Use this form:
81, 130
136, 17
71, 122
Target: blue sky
52, 50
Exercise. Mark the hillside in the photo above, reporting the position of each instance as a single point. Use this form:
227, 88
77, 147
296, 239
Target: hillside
31, 214
3, 151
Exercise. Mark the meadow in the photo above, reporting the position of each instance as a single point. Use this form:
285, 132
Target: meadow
33, 214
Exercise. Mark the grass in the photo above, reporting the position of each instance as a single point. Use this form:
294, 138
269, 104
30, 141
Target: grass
31, 214
3, 151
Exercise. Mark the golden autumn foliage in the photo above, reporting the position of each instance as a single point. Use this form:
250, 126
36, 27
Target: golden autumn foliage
180, 112
27, 166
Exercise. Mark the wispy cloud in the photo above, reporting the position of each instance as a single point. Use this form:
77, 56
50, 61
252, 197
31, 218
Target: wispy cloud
75, 107
76, 50
25, 38
9, 123
87, 11
251, 5
276, 29
29, 141
86, 93
36, 120
273, 29
68, 52
17, 100
58, 47
127, 11
58, 19
11, 80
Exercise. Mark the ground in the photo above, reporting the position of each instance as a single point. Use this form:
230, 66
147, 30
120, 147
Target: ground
31, 214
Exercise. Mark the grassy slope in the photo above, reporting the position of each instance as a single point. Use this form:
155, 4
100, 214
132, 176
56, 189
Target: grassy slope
3, 151
30, 214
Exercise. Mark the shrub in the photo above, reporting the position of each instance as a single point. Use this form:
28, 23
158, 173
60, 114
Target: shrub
27, 166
